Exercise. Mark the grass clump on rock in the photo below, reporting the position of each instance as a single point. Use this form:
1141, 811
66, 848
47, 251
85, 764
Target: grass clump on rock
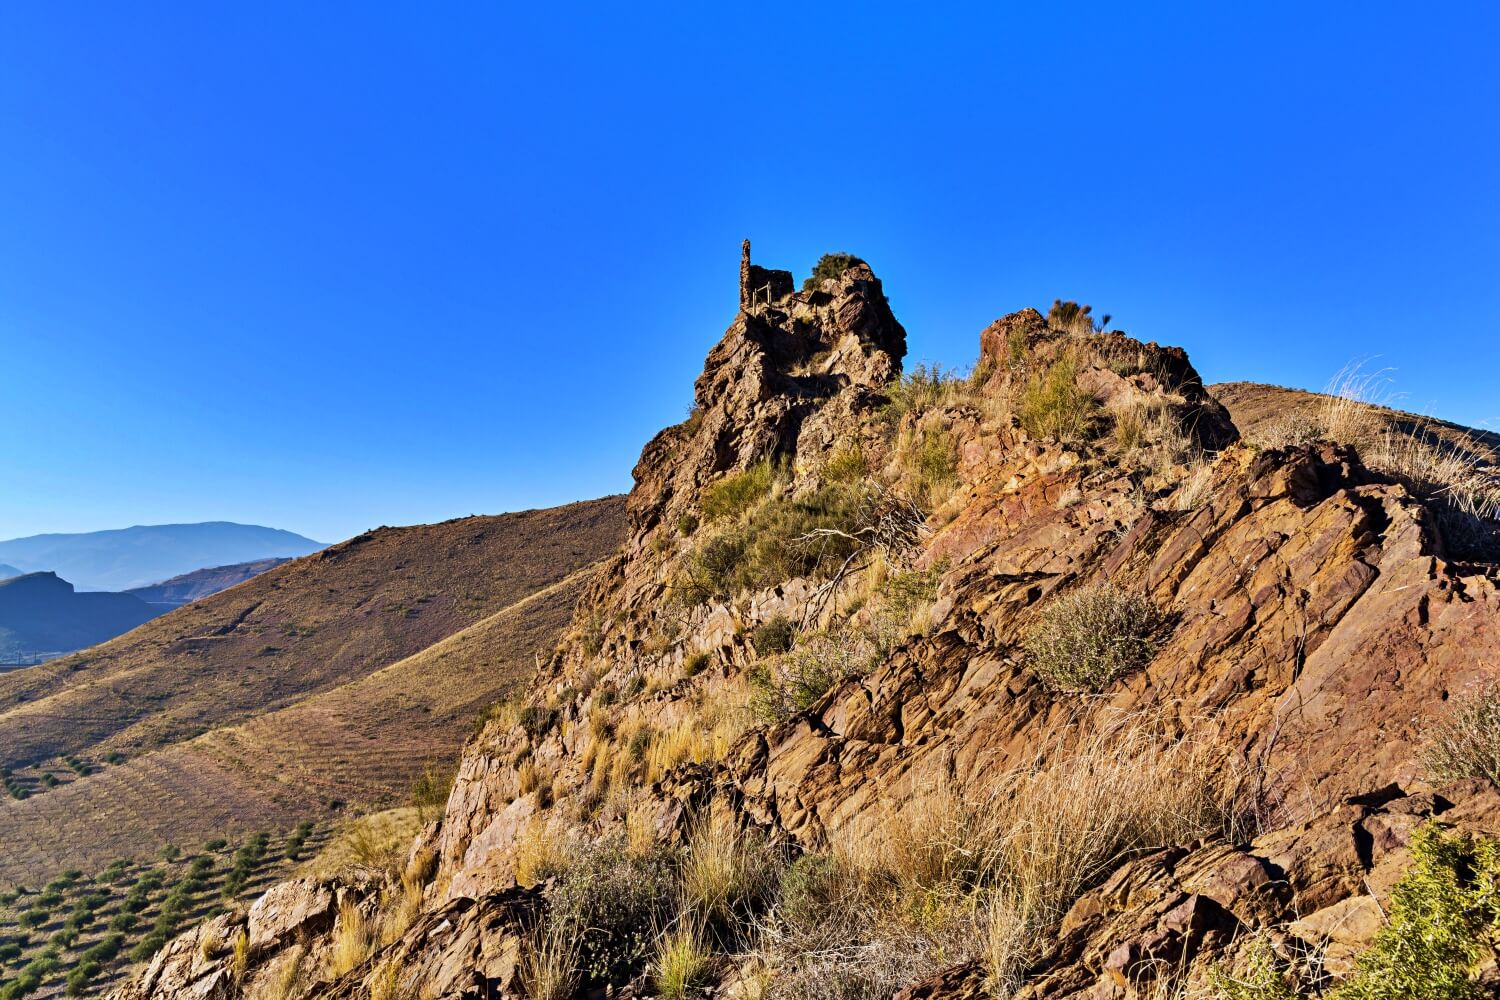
1083, 640
1053, 405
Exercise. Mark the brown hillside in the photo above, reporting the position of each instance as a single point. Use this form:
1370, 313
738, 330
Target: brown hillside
307, 626
327, 682
356, 747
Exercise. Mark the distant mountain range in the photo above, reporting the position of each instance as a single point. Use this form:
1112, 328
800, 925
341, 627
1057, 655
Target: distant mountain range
126, 558
6, 572
41, 613
202, 583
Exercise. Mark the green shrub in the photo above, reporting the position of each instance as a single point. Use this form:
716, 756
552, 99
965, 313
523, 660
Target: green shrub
922, 388
829, 266
217, 844
794, 682
536, 719
428, 793
930, 458
9, 952
106, 949
807, 886
737, 492
1084, 639
847, 465
773, 636
148, 946
80, 977
611, 899
1444, 913
1052, 404
34, 917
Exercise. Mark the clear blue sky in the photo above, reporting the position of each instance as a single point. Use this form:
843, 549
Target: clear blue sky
328, 266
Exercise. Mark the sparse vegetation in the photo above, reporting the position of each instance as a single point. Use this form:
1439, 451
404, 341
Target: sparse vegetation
1053, 405
1084, 639
780, 538
1465, 743
124, 913
737, 492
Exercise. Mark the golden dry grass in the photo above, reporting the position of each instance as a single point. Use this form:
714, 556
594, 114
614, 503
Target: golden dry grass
353, 939
549, 963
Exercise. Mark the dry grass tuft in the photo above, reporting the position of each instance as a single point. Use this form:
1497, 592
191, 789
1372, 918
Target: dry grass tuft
1354, 398
352, 940
385, 984
284, 980
241, 960
1466, 742
727, 875
376, 842
549, 965
541, 852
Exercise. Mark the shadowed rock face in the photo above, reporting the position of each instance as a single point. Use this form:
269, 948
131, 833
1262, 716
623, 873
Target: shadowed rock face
1314, 623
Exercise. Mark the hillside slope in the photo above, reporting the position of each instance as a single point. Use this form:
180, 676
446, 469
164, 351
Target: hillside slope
122, 558
304, 627
200, 583
351, 749
1260, 410
1036, 684
311, 662
41, 613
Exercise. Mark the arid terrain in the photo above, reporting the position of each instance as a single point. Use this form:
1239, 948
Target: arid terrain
1065, 678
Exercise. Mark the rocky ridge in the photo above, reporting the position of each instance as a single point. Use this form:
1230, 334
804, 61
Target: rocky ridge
1315, 623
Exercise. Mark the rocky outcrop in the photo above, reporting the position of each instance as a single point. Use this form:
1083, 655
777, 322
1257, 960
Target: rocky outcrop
1313, 622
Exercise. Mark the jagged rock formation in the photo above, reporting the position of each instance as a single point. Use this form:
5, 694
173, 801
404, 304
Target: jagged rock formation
1315, 620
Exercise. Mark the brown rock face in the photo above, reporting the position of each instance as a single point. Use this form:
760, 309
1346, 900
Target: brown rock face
1312, 624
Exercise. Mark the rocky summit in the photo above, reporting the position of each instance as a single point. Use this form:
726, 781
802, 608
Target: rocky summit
1042, 681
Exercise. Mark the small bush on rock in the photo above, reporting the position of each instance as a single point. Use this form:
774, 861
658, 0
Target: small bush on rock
773, 636
1083, 640
830, 265
609, 899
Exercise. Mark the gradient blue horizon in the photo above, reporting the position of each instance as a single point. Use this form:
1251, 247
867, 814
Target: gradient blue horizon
325, 269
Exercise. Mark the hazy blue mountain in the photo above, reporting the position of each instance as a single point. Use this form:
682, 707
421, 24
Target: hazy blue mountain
200, 583
6, 572
41, 613
146, 554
